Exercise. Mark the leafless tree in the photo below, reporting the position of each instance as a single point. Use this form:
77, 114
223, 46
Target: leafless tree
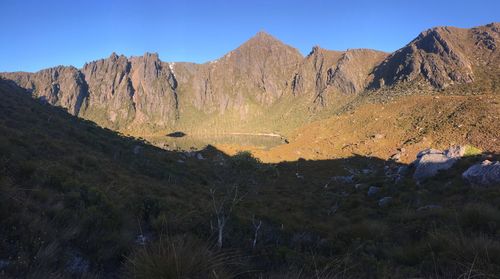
223, 207
256, 228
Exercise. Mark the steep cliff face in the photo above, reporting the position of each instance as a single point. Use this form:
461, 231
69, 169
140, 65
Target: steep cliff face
351, 74
135, 91
155, 86
311, 77
324, 72
61, 86
110, 90
441, 56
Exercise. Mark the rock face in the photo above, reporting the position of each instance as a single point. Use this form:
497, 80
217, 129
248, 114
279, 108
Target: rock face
440, 56
486, 173
144, 93
131, 91
324, 72
256, 71
430, 161
61, 86
312, 74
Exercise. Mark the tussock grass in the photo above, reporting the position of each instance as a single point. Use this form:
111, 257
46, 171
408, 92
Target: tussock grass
180, 257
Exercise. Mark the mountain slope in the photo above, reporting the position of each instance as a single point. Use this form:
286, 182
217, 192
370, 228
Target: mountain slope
265, 80
71, 193
441, 57
257, 71
380, 130
80, 201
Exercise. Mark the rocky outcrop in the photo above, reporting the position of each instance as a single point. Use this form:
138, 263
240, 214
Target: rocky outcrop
486, 173
61, 86
325, 71
132, 91
110, 90
353, 69
312, 75
440, 56
116, 92
430, 161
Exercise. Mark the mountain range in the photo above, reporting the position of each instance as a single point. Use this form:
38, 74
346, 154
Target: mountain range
264, 80
384, 165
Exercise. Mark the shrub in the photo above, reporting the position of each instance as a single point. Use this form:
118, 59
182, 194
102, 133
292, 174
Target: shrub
480, 217
245, 160
472, 151
366, 230
178, 257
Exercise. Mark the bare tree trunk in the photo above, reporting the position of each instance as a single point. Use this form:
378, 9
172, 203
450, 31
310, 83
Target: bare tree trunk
256, 228
223, 211
220, 225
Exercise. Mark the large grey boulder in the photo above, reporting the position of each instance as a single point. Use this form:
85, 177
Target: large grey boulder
486, 173
430, 161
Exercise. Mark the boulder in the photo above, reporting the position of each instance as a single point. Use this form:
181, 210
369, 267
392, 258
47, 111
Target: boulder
199, 156
377, 136
385, 201
430, 161
372, 191
429, 207
360, 186
456, 151
486, 173
395, 156
427, 152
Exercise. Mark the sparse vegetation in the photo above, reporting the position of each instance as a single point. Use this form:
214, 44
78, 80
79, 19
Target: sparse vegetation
472, 151
180, 257
77, 200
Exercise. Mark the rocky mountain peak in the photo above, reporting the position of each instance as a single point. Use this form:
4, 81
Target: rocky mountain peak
258, 70
263, 36
151, 56
263, 40
113, 56
494, 25
440, 56
316, 50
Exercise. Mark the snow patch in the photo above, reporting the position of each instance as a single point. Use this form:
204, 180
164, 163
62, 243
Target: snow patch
171, 67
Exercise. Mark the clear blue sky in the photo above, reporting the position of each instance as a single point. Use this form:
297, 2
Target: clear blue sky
36, 34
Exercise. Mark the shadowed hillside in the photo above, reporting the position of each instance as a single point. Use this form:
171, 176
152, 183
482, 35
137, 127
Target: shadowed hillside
77, 200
